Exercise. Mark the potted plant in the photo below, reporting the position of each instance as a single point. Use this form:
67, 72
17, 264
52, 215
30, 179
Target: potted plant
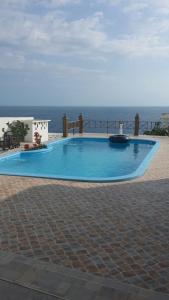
26, 147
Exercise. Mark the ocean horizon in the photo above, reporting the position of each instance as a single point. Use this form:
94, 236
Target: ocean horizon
101, 113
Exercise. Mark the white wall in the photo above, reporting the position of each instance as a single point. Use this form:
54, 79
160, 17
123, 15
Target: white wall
29, 136
42, 128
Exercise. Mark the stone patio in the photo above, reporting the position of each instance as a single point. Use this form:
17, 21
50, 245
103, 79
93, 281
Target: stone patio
116, 230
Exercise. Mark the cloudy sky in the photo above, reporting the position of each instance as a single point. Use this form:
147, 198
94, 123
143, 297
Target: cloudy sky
84, 52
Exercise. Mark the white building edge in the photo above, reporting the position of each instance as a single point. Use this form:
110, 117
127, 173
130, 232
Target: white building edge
40, 126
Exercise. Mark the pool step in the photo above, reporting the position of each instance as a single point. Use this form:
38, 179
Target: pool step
20, 276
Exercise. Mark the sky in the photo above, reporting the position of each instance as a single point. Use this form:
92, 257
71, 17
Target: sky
84, 52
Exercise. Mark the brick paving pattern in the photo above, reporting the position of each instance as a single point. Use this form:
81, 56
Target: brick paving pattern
116, 230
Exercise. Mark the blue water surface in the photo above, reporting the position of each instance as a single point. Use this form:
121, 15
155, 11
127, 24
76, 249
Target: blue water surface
80, 158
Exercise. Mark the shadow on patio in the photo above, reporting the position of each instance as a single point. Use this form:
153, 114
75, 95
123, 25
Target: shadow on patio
119, 231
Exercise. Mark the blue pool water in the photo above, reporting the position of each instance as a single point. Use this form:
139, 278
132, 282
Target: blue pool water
89, 159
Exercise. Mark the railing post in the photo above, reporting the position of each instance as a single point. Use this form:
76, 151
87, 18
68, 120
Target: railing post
65, 126
107, 127
137, 125
81, 124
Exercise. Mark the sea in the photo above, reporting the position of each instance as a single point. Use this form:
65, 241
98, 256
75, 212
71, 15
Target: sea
56, 113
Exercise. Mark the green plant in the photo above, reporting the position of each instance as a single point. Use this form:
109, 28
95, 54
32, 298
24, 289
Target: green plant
158, 131
19, 130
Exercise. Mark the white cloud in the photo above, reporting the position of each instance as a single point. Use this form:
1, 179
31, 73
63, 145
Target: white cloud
24, 34
50, 34
20, 4
54, 3
110, 2
135, 7
139, 47
11, 61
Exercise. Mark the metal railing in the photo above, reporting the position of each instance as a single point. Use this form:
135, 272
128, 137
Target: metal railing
135, 126
110, 126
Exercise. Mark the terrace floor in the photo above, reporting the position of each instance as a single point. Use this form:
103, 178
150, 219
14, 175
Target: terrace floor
119, 231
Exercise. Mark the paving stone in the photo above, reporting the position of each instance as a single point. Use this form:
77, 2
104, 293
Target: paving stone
9, 291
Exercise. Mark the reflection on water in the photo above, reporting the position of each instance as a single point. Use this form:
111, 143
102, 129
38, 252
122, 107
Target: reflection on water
119, 146
78, 147
65, 150
136, 150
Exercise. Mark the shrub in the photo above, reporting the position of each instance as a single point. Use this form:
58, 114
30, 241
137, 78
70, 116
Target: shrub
19, 130
158, 131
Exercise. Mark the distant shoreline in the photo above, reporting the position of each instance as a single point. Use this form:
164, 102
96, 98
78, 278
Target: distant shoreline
86, 106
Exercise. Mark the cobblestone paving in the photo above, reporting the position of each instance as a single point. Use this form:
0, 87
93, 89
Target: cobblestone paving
117, 230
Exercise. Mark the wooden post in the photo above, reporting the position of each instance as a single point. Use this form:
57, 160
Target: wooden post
65, 126
81, 123
137, 125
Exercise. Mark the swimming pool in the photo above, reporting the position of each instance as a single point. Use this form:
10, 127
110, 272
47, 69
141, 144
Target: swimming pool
83, 159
